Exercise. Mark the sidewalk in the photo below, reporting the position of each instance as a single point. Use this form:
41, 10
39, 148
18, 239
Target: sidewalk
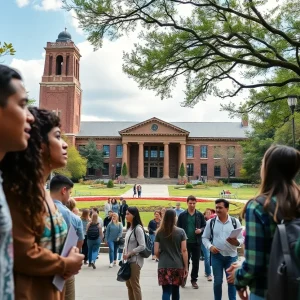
102, 284
150, 190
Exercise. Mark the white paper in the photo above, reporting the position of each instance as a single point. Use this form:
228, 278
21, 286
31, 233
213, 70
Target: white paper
70, 242
235, 233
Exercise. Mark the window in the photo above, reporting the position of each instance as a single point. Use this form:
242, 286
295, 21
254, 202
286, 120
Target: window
231, 152
50, 65
146, 153
59, 64
190, 151
217, 171
67, 65
105, 170
153, 152
106, 150
91, 171
203, 169
190, 169
203, 152
232, 171
161, 152
217, 152
119, 150
118, 169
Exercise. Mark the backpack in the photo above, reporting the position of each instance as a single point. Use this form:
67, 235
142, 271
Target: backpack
149, 245
93, 232
212, 225
284, 271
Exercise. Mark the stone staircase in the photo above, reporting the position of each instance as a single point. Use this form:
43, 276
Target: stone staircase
171, 181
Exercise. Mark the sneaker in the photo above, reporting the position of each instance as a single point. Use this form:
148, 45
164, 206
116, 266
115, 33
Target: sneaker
93, 265
153, 257
205, 275
209, 278
85, 262
195, 285
90, 264
183, 282
111, 265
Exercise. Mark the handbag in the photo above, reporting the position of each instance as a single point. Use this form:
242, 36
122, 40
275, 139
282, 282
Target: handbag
124, 272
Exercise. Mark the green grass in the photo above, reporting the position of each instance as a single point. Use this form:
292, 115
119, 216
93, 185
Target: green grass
85, 190
235, 208
214, 192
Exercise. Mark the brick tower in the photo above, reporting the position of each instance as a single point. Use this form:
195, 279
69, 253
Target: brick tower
60, 87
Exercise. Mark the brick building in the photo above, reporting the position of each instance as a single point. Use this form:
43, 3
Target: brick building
152, 148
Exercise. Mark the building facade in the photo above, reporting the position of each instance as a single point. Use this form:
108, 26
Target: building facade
152, 148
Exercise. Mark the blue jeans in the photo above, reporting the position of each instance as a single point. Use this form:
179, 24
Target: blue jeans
93, 249
170, 290
254, 297
206, 260
120, 253
152, 238
113, 250
219, 264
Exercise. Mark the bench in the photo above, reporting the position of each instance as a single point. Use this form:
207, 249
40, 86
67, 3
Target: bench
228, 196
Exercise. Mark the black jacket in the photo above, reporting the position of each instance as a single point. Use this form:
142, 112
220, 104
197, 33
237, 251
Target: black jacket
200, 223
123, 209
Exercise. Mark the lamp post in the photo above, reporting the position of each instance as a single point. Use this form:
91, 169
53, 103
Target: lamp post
292, 101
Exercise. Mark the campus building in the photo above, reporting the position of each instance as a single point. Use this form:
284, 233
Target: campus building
151, 148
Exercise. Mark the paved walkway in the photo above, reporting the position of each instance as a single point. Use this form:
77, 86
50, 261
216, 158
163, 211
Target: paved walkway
102, 284
151, 190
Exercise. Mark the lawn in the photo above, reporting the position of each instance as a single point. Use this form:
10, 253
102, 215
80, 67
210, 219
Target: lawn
86, 190
147, 207
245, 193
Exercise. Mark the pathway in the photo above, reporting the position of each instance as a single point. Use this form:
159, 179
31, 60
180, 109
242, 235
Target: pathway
102, 284
151, 190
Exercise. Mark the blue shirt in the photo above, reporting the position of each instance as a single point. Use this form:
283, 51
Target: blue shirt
178, 211
113, 232
71, 218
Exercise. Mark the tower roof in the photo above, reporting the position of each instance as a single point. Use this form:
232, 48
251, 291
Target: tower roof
64, 36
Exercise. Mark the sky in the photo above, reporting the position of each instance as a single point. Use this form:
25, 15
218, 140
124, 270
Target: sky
108, 93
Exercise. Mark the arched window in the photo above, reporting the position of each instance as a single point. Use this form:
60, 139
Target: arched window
67, 65
59, 64
50, 65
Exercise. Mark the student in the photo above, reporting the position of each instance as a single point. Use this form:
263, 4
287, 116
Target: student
170, 248
123, 208
134, 244
15, 126
280, 166
85, 220
36, 252
152, 227
115, 206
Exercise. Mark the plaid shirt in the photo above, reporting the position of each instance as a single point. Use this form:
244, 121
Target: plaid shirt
260, 229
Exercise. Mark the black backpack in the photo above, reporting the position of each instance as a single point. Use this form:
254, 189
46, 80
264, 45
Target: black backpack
148, 243
284, 271
212, 225
93, 232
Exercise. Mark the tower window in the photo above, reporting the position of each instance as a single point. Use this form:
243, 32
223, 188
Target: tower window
59, 64
67, 65
50, 65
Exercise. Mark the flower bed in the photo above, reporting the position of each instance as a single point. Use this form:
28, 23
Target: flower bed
104, 198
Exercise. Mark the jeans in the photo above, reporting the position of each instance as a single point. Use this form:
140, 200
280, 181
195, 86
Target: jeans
93, 251
169, 290
206, 253
219, 264
113, 250
254, 297
194, 254
120, 253
122, 217
85, 249
152, 238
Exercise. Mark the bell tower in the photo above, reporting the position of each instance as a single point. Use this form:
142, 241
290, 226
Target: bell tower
60, 89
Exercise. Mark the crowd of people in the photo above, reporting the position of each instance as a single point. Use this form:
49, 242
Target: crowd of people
34, 223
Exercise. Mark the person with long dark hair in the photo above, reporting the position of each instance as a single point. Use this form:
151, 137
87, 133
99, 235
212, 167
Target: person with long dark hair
39, 229
134, 244
279, 167
152, 228
171, 250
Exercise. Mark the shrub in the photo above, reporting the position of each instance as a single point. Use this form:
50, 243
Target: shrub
87, 182
110, 184
236, 180
188, 186
211, 183
98, 186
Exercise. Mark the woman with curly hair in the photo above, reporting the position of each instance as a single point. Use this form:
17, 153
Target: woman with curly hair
39, 231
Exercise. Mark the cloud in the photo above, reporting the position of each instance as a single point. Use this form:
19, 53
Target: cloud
49, 5
22, 3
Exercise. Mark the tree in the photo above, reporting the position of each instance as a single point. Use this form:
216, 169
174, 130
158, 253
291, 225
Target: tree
95, 157
124, 171
6, 49
182, 170
76, 166
240, 43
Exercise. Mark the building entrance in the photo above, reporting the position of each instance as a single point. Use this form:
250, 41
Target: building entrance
153, 161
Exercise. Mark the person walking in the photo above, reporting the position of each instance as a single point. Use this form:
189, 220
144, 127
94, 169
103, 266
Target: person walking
170, 248
134, 190
193, 223
85, 221
107, 207
37, 240
139, 191
123, 209
152, 227
115, 206
223, 249
178, 209
134, 244
280, 165
113, 234
94, 238
15, 126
